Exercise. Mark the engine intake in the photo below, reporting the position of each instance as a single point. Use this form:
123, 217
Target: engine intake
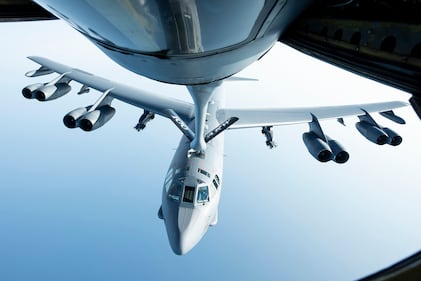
70, 119
317, 147
96, 119
340, 156
28, 91
51, 92
394, 138
372, 133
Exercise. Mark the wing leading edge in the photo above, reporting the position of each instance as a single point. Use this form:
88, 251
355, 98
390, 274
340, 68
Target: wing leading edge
249, 118
320, 145
149, 101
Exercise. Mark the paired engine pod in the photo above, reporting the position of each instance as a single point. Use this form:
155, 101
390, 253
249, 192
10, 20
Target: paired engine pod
51, 92
70, 119
372, 133
394, 138
28, 91
340, 156
97, 118
317, 148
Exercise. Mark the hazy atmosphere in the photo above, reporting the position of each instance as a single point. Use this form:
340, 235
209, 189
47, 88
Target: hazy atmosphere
83, 206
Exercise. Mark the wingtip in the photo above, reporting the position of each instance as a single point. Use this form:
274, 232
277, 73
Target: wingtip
35, 58
32, 58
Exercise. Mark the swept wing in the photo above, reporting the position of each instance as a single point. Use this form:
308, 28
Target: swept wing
151, 102
248, 118
181, 113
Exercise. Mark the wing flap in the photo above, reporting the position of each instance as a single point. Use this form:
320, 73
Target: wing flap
249, 118
140, 98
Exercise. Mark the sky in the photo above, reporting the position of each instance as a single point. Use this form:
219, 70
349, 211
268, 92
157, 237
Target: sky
83, 206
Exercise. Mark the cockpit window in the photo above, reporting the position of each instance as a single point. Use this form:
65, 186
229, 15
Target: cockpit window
215, 184
203, 194
174, 182
216, 181
168, 179
188, 194
203, 172
175, 189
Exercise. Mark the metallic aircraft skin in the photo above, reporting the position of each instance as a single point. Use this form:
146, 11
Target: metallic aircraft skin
193, 183
22, 10
329, 20
384, 46
183, 42
187, 222
180, 41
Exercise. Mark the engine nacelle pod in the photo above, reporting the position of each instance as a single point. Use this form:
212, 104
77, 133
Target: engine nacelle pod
70, 120
97, 118
340, 156
28, 91
394, 138
372, 133
317, 147
51, 92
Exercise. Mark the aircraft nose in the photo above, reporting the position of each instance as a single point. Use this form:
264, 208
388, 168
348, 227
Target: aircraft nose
188, 239
192, 225
186, 244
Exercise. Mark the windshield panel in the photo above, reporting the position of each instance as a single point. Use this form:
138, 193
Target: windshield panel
203, 194
188, 194
176, 189
174, 182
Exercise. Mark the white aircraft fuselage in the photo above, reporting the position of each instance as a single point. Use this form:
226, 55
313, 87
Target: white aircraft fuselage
196, 43
188, 42
192, 187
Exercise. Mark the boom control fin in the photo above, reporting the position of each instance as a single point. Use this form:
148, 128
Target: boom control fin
222, 127
184, 128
